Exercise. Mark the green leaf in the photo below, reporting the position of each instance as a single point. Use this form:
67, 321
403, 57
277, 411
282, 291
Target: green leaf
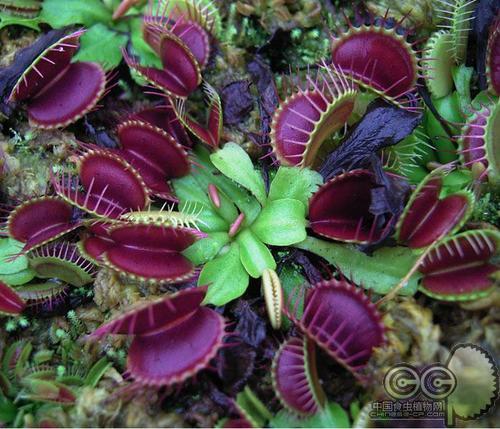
296, 183
226, 277
208, 219
8, 411
101, 45
254, 254
22, 359
332, 416
187, 188
291, 279
208, 174
207, 248
456, 181
8, 248
96, 372
22, 411
227, 210
19, 278
6, 20
16, 271
380, 272
147, 57
193, 197
482, 98
59, 13
252, 408
281, 223
234, 162
194, 188
462, 76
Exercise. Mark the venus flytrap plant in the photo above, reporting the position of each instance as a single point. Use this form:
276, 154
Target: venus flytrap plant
179, 32
294, 366
479, 142
433, 212
340, 210
41, 220
273, 296
438, 73
107, 186
44, 298
314, 110
175, 337
461, 267
340, 319
44, 77
225, 220
388, 65
33, 382
241, 219
409, 157
209, 133
449, 82
141, 251
457, 17
155, 143
450, 267
62, 260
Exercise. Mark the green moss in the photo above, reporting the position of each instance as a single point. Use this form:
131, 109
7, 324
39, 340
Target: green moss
488, 209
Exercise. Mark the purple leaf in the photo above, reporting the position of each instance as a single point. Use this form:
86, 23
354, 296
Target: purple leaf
237, 102
251, 328
382, 125
263, 79
485, 13
388, 200
235, 365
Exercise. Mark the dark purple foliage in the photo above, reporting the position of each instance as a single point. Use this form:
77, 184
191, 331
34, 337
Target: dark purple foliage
235, 365
237, 102
251, 328
298, 257
485, 13
388, 200
383, 125
99, 135
268, 100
